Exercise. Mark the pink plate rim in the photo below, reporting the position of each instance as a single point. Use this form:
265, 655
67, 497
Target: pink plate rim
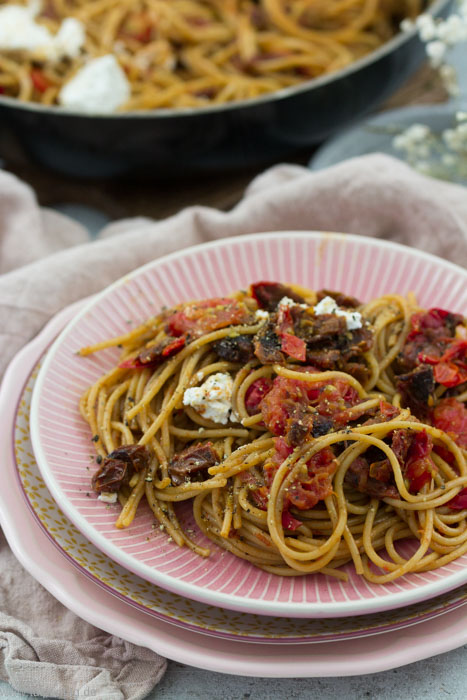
400, 597
21, 368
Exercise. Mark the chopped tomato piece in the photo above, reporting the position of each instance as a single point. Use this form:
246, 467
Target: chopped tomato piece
423, 320
39, 80
256, 393
316, 484
260, 496
173, 347
294, 347
286, 397
138, 26
419, 466
202, 317
449, 374
451, 417
290, 397
449, 368
457, 350
305, 493
289, 522
283, 450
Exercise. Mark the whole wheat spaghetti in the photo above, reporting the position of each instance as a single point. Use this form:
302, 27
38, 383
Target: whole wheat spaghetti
307, 429
190, 53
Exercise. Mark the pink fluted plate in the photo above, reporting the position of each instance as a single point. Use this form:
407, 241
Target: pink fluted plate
364, 267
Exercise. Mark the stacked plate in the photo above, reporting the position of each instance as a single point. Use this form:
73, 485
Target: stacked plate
219, 613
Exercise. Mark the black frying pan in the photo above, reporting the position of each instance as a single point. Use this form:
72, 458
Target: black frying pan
169, 143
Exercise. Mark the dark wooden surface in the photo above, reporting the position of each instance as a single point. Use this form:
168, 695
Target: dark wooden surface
159, 200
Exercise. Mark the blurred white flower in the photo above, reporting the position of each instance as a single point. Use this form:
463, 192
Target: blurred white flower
426, 27
439, 36
441, 154
436, 50
449, 77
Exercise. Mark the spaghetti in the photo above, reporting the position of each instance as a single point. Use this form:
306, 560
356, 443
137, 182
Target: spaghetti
307, 429
190, 53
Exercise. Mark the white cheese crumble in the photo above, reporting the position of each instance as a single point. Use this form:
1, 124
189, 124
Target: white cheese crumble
328, 305
20, 31
99, 87
213, 399
108, 496
287, 301
261, 315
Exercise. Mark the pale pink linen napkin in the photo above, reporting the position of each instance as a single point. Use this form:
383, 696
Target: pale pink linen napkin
373, 196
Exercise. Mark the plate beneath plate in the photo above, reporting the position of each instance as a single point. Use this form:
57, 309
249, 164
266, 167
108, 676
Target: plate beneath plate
357, 265
149, 598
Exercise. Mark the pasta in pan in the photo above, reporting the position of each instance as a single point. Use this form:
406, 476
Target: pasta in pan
308, 430
185, 53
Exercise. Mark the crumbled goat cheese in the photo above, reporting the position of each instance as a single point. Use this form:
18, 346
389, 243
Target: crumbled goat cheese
108, 496
19, 31
261, 315
287, 301
99, 87
328, 305
213, 399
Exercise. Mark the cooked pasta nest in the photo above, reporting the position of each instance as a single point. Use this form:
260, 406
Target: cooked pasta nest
193, 53
345, 430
